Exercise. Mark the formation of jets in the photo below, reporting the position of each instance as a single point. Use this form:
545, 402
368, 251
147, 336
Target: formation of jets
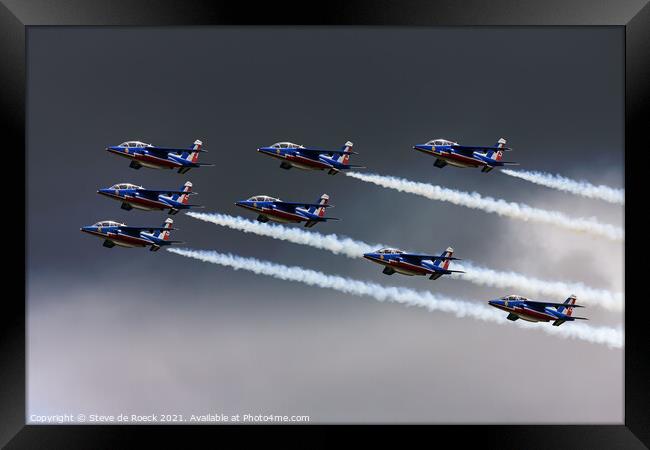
132, 196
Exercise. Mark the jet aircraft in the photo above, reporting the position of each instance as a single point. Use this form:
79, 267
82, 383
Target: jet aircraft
295, 155
519, 307
133, 196
399, 261
116, 233
142, 154
448, 152
276, 210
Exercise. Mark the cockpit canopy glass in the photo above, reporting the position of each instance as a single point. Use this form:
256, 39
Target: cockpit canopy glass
286, 145
135, 144
514, 298
108, 223
440, 142
389, 250
263, 198
126, 186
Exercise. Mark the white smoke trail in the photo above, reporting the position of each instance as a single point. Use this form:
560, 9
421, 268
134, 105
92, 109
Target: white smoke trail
339, 245
581, 188
609, 336
497, 206
342, 245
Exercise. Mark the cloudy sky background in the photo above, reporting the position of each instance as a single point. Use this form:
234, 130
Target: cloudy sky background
118, 330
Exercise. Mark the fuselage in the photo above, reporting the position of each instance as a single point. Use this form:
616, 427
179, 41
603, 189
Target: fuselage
401, 265
278, 213
447, 153
148, 158
312, 160
113, 234
139, 201
528, 312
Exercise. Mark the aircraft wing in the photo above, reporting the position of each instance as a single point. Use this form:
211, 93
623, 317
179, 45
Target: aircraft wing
319, 151
465, 150
421, 256
174, 150
296, 204
552, 304
153, 192
138, 229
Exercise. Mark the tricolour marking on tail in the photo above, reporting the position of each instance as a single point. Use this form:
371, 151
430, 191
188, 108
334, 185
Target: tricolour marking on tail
193, 154
569, 309
320, 211
164, 234
344, 158
497, 155
444, 263
183, 198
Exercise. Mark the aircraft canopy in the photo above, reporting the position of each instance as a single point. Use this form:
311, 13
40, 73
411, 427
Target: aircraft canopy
126, 186
108, 223
263, 198
441, 142
514, 297
286, 145
389, 250
135, 144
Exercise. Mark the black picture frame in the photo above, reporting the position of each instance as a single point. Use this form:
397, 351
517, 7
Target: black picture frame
634, 15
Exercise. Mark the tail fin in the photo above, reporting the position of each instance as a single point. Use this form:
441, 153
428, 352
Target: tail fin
193, 154
569, 309
182, 198
498, 154
320, 211
444, 263
344, 157
164, 234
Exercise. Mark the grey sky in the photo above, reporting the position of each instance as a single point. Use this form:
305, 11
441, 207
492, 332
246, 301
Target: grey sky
127, 330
